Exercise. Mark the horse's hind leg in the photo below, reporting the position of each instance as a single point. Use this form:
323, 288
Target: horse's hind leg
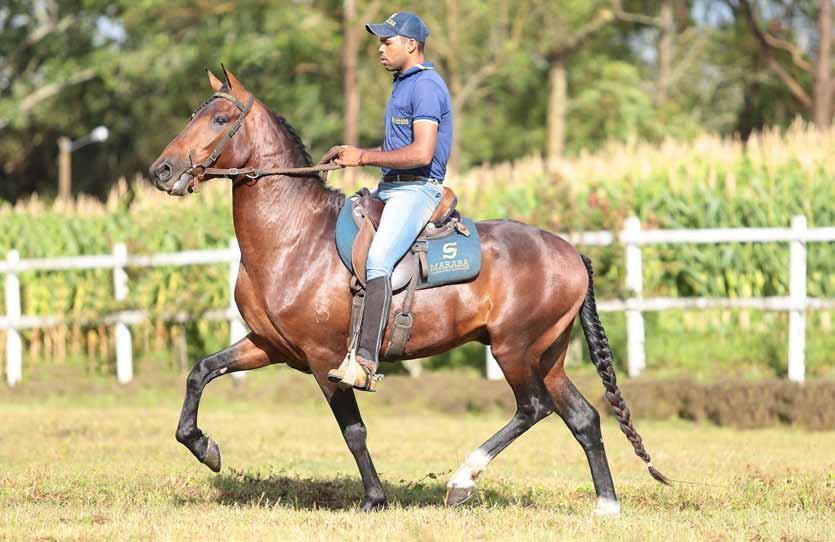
244, 355
532, 404
343, 403
583, 421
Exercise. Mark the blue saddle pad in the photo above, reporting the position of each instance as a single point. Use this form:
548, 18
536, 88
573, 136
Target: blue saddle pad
454, 258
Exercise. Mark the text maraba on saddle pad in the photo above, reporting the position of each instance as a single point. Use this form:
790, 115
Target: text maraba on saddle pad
451, 259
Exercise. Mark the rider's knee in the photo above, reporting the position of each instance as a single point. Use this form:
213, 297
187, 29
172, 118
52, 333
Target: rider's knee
376, 268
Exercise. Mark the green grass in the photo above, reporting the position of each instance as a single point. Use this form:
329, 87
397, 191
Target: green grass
88, 460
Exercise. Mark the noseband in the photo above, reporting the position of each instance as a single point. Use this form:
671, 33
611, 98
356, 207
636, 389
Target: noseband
205, 166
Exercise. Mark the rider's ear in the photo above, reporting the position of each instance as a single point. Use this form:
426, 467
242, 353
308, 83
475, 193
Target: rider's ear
216, 83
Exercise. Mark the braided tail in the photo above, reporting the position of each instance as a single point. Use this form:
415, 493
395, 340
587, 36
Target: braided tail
601, 356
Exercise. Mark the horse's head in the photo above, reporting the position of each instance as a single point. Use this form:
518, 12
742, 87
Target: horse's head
209, 139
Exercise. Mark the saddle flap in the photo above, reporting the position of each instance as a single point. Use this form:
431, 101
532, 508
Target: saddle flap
359, 252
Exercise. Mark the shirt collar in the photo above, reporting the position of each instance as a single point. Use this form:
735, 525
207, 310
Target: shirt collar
413, 70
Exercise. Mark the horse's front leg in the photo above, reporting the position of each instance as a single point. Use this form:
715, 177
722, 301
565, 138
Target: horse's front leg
248, 353
343, 403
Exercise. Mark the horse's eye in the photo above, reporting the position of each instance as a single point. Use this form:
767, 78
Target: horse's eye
221, 119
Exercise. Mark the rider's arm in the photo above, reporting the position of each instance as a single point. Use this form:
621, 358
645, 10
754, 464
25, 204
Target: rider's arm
418, 153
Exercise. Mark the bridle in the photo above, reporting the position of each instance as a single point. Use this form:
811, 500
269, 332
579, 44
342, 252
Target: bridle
205, 168
212, 158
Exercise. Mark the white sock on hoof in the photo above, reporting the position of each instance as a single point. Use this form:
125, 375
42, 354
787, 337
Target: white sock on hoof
607, 507
466, 474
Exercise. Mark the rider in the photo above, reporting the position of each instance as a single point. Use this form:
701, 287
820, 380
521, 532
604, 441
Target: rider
413, 158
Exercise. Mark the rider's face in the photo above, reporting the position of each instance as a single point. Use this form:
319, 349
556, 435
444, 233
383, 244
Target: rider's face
395, 51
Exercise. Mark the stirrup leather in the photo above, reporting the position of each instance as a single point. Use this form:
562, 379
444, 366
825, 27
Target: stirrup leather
353, 374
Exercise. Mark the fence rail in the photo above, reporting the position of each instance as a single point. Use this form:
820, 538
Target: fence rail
632, 237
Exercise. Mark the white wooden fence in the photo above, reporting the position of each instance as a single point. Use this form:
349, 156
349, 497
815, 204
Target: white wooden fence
118, 261
632, 237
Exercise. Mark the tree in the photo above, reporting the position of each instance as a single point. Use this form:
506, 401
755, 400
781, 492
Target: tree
48, 56
471, 49
353, 30
774, 48
823, 73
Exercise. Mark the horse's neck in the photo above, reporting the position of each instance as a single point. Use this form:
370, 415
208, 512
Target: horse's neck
278, 213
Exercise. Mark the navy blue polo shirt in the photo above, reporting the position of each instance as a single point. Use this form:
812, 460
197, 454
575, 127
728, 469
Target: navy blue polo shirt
419, 95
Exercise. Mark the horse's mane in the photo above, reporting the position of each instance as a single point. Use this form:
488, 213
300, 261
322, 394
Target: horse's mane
294, 135
333, 194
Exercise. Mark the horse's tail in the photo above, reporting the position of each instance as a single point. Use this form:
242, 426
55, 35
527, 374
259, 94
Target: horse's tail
601, 356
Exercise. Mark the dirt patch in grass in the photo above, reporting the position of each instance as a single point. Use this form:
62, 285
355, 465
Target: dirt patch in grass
740, 404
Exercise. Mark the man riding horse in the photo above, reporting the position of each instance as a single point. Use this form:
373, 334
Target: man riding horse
413, 158
522, 292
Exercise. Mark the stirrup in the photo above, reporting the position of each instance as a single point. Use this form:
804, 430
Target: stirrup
353, 374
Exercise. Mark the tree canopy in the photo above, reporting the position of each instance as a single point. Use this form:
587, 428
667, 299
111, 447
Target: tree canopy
527, 76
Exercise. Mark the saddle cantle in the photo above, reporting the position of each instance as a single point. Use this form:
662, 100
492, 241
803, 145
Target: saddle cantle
447, 251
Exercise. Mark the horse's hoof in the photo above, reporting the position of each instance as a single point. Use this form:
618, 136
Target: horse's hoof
372, 505
458, 495
213, 459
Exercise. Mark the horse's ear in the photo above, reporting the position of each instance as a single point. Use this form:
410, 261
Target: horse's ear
234, 86
216, 83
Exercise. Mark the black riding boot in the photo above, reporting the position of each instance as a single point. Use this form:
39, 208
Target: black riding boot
359, 371
374, 320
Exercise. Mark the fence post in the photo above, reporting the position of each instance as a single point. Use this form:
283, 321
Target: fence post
797, 293
124, 351
636, 357
237, 329
492, 370
14, 344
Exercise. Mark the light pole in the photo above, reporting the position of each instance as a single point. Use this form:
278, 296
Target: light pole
65, 147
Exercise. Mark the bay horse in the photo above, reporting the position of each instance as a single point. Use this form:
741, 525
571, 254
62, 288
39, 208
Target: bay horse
293, 293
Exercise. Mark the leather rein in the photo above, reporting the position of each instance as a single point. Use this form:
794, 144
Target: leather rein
205, 168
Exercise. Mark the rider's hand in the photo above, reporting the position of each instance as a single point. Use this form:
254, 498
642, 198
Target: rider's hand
349, 156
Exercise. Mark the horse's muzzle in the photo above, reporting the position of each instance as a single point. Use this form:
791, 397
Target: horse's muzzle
160, 173
163, 176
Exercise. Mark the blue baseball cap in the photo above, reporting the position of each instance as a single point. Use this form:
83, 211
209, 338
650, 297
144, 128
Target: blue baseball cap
403, 24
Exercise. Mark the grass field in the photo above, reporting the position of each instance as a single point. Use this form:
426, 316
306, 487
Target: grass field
87, 460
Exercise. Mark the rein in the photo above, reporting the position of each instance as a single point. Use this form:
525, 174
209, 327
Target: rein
205, 166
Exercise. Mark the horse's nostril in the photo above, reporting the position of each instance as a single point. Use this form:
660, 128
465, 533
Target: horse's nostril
164, 172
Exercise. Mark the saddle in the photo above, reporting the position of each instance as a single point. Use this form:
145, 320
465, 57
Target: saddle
446, 251
367, 211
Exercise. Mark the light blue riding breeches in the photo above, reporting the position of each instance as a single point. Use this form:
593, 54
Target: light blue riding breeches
409, 205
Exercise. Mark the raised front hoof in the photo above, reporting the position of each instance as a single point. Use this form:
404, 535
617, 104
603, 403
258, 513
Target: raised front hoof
372, 505
458, 495
213, 458
607, 507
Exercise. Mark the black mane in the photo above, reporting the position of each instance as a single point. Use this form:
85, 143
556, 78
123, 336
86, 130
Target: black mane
294, 135
338, 196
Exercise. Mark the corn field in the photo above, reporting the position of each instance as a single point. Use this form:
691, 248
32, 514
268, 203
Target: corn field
705, 183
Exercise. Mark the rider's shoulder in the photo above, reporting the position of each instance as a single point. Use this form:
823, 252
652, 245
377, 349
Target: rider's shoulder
431, 81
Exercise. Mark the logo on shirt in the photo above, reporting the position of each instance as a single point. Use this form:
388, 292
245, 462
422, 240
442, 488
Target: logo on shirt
400, 120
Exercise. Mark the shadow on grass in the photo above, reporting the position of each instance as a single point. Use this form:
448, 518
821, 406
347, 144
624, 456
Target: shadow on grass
340, 493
